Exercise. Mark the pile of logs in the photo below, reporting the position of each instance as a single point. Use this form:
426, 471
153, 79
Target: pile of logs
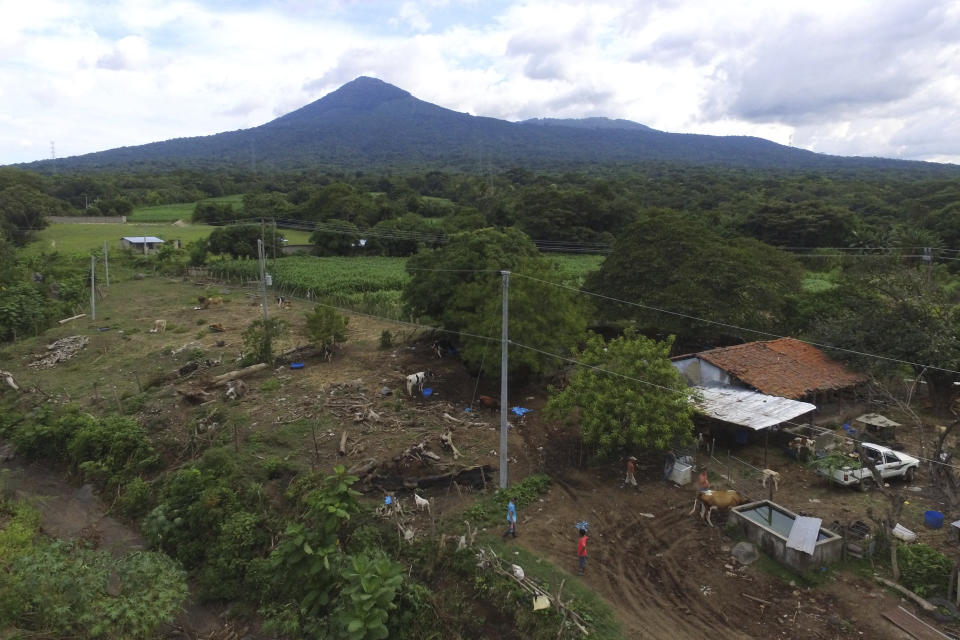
61, 350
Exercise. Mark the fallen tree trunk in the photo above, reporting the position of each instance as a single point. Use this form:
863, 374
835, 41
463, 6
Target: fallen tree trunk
926, 606
342, 449
66, 320
363, 469
474, 476
238, 373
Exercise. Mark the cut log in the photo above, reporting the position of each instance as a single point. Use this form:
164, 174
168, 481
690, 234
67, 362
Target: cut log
756, 599
238, 373
910, 594
66, 320
363, 468
342, 449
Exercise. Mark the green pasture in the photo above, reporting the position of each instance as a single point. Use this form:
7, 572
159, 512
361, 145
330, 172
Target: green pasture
83, 238
179, 211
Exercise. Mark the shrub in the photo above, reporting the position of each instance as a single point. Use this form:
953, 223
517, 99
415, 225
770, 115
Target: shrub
386, 339
923, 569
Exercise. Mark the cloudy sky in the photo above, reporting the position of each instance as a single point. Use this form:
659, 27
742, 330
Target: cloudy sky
871, 77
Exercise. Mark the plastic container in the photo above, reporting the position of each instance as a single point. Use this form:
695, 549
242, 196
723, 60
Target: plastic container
933, 519
296, 365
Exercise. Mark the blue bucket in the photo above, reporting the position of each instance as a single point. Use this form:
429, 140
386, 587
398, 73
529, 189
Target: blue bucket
933, 519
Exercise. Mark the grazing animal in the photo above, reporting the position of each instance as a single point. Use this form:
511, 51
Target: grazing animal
236, 389
279, 301
489, 403
770, 474
422, 503
159, 326
716, 500
206, 303
415, 381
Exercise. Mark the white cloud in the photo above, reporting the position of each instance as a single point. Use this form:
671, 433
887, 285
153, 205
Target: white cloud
854, 77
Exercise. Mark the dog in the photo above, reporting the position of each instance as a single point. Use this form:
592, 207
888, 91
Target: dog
159, 326
770, 474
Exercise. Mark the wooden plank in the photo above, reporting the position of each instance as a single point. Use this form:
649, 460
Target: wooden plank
913, 625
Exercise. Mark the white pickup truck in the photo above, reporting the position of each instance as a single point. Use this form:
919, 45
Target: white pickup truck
890, 464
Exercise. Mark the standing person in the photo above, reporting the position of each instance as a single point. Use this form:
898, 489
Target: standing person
511, 520
582, 552
668, 465
631, 479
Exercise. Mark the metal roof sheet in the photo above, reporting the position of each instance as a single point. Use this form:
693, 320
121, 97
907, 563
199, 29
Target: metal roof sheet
877, 420
803, 534
748, 408
142, 239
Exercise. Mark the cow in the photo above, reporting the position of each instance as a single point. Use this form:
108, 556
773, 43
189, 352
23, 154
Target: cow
490, 403
415, 381
159, 326
719, 500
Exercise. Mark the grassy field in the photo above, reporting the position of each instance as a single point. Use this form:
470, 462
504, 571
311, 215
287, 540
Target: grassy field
180, 211
84, 238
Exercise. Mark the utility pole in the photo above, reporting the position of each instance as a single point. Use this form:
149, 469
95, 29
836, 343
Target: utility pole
106, 263
93, 288
503, 383
263, 282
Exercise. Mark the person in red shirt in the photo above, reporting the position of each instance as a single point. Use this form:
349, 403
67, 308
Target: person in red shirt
582, 552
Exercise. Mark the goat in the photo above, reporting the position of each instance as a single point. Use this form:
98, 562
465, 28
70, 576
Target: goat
489, 403
416, 380
719, 500
236, 389
422, 503
770, 474
159, 326
279, 301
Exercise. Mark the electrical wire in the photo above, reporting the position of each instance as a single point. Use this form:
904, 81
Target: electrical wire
733, 326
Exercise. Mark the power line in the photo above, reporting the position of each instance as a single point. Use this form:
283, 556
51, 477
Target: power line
733, 326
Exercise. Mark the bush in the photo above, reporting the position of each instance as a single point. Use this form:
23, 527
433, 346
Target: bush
64, 591
386, 339
493, 508
923, 569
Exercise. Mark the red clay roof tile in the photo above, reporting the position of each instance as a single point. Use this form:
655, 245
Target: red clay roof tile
784, 367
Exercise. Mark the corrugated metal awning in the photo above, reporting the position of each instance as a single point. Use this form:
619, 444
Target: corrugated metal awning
142, 239
747, 408
877, 420
803, 534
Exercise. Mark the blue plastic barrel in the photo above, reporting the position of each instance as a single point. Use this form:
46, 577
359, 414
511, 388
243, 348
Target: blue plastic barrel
296, 365
933, 519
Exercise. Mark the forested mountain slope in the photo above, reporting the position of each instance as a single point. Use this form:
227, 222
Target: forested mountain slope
369, 124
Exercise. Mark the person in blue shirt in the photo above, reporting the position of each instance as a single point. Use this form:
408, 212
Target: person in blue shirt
511, 520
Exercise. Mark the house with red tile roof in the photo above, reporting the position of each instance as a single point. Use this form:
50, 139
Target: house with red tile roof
785, 367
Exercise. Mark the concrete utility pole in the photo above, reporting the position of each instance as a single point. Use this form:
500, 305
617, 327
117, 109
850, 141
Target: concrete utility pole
263, 282
106, 263
504, 426
93, 288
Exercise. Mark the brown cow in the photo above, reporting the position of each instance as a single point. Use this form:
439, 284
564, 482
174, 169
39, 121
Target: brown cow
720, 500
489, 403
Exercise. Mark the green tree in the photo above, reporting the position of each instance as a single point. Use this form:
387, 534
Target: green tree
458, 286
628, 397
800, 224
23, 210
401, 236
670, 262
240, 241
325, 327
898, 311
258, 340
335, 238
